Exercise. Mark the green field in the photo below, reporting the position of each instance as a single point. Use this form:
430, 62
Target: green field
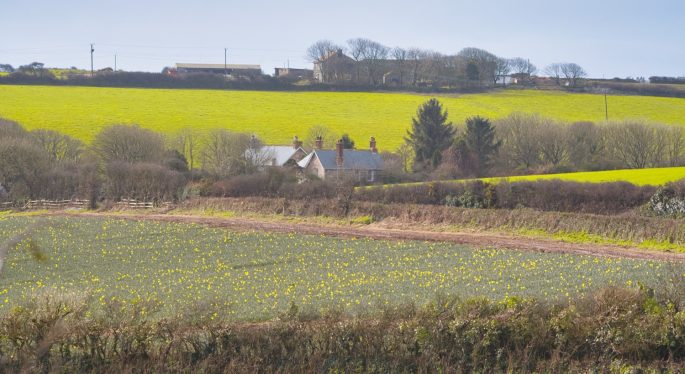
640, 177
277, 116
257, 275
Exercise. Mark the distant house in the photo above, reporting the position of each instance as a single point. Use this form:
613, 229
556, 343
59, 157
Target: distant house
294, 74
277, 155
235, 70
335, 67
363, 166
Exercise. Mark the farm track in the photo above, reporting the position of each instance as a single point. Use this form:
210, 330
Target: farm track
383, 231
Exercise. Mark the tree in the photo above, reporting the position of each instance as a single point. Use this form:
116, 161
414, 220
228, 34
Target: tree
477, 147
225, 153
400, 55
484, 60
632, 143
128, 144
573, 72
522, 66
415, 56
503, 68
585, 145
347, 142
553, 138
186, 142
358, 49
554, 71
430, 134
519, 134
6, 68
58, 146
373, 54
472, 71
328, 137
318, 52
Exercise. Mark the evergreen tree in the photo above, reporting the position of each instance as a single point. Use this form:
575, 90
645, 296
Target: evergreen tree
477, 146
347, 142
430, 135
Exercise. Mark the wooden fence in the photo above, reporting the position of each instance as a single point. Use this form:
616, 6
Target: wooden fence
56, 204
135, 204
83, 204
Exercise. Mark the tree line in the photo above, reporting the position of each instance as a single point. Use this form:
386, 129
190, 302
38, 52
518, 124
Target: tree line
529, 143
371, 63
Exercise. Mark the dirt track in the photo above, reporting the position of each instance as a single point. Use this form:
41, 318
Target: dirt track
396, 232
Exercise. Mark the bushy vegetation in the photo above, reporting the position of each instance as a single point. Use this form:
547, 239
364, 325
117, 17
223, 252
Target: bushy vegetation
612, 330
549, 195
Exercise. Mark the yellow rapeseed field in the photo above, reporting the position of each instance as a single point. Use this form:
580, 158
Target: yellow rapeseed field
277, 116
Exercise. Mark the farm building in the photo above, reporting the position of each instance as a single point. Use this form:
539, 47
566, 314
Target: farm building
335, 67
277, 155
235, 70
294, 74
364, 166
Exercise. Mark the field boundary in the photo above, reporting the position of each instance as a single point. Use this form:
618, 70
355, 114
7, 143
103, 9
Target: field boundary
385, 231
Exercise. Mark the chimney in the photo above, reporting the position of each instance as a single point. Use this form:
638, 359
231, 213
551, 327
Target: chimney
297, 143
372, 145
319, 142
339, 159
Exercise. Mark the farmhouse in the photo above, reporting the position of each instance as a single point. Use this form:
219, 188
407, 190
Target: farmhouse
277, 155
335, 67
235, 70
364, 166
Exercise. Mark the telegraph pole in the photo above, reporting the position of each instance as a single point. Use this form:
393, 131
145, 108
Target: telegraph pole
225, 61
115, 62
606, 106
91, 59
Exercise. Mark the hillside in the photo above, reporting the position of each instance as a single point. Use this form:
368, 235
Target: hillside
277, 116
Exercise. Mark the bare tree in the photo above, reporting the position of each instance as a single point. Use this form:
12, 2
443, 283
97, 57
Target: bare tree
373, 56
358, 49
631, 143
502, 69
58, 146
573, 72
523, 66
585, 144
318, 52
328, 137
400, 55
520, 137
554, 71
415, 56
676, 145
186, 142
129, 144
225, 153
553, 139
485, 61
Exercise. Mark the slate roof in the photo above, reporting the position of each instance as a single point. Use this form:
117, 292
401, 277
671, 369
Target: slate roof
352, 160
280, 154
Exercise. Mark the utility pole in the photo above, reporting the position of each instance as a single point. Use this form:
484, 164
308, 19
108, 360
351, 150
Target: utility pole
91, 59
606, 106
226, 61
115, 62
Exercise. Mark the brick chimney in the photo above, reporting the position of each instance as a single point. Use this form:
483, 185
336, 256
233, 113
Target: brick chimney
297, 143
319, 142
339, 150
372, 145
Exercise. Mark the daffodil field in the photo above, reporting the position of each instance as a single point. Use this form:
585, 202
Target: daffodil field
257, 275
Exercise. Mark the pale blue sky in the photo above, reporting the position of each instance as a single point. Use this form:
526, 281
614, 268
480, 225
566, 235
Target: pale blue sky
607, 37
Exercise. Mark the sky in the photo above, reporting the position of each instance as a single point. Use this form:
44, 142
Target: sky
609, 38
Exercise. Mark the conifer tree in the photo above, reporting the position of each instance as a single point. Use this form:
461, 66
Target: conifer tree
430, 134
